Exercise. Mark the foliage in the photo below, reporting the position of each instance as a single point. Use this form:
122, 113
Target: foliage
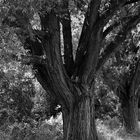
44, 106
19, 91
107, 104
16, 94
16, 84
66, 71
119, 70
22, 131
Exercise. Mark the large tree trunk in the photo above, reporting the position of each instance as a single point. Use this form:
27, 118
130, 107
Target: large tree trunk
130, 114
75, 97
57, 80
79, 122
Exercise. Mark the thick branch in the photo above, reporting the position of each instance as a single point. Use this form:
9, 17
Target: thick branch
117, 23
54, 66
91, 18
67, 36
110, 28
114, 46
114, 7
91, 58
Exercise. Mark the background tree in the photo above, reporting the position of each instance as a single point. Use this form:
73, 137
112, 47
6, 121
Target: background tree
69, 80
122, 76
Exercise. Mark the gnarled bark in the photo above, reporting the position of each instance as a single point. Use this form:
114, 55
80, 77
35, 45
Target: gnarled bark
73, 88
79, 123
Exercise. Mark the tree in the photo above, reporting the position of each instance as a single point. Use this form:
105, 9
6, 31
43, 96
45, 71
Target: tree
19, 89
122, 76
69, 80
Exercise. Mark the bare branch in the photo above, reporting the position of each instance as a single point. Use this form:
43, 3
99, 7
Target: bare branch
114, 46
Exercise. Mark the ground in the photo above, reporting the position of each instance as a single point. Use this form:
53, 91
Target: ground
108, 129
111, 129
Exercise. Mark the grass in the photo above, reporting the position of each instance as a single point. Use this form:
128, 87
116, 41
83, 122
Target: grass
112, 130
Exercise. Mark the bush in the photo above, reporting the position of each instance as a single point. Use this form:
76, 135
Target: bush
44, 131
4, 136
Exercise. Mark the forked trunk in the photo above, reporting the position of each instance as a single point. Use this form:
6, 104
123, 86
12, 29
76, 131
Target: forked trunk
130, 114
79, 123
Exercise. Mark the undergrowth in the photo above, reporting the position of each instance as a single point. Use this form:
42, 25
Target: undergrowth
110, 129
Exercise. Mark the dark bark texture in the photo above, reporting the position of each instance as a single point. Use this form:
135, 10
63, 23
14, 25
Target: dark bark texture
129, 106
129, 98
80, 121
71, 81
